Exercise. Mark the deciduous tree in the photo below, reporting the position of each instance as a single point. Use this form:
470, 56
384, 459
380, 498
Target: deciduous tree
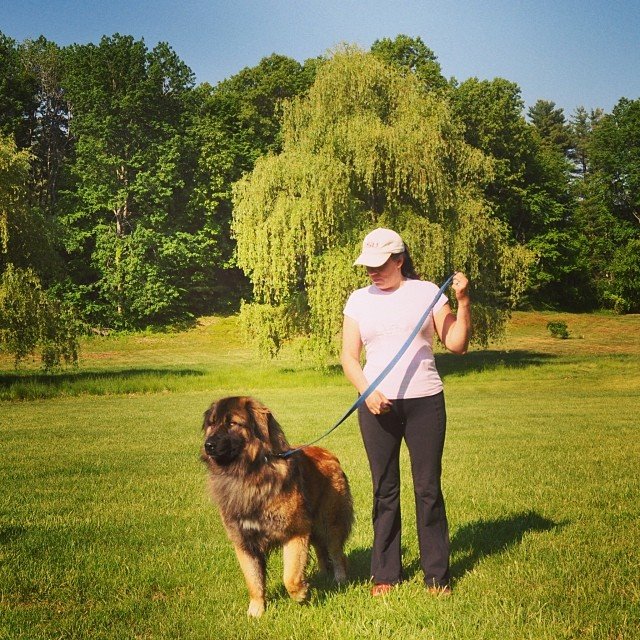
125, 212
414, 56
17, 89
615, 156
30, 318
610, 208
529, 189
234, 123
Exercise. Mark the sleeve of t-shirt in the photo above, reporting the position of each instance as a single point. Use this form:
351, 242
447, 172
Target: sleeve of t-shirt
442, 300
351, 307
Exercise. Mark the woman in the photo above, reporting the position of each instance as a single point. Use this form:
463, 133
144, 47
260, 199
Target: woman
408, 403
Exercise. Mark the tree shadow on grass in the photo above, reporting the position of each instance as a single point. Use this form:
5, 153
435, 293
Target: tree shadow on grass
476, 540
10, 533
478, 361
30, 385
57, 379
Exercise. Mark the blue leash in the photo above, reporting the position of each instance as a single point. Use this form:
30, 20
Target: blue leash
383, 374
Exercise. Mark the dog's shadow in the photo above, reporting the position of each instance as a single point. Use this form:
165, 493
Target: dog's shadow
470, 543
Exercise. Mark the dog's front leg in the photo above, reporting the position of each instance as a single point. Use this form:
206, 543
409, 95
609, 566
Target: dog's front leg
254, 569
294, 555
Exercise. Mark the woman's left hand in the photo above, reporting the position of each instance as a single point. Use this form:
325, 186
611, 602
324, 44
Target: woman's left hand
460, 285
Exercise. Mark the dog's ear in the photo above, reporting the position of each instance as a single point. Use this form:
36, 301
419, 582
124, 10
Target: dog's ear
261, 416
208, 414
276, 436
270, 430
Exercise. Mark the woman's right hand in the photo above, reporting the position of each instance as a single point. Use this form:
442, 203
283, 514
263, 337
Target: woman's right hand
377, 403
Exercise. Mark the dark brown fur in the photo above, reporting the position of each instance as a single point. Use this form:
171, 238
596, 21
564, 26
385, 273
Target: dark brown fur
266, 501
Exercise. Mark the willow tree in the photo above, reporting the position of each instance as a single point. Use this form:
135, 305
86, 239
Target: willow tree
366, 147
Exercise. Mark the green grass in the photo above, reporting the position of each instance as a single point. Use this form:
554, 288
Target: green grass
106, 530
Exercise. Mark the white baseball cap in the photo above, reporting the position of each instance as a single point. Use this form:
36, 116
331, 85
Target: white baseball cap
378, 246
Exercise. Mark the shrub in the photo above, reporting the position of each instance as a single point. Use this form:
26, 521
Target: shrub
558, 329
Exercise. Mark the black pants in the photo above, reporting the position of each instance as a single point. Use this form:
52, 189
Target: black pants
422, 424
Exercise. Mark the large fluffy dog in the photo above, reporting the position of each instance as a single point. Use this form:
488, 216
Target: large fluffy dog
267, 501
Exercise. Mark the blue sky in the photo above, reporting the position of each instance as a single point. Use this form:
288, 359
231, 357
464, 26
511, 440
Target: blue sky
574, 52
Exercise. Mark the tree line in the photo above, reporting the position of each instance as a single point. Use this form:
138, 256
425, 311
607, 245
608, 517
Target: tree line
131, 196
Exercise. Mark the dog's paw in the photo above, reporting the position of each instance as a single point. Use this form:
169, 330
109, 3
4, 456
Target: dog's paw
256, 608
299, 592
340, 576
340, 570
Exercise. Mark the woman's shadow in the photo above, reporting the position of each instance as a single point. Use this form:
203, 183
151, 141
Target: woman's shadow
470, 543
476, 540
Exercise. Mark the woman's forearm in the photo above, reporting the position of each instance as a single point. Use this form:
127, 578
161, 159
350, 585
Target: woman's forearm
353, 372
459, 332
376, 401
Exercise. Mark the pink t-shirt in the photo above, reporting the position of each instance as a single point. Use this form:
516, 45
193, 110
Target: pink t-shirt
385, 320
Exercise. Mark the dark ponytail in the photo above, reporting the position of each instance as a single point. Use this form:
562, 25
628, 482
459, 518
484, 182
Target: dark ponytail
407, 269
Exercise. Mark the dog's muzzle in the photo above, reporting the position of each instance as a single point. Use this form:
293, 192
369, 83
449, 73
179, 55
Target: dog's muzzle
224, 448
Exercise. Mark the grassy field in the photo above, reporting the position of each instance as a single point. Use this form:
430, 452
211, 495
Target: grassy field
106, 530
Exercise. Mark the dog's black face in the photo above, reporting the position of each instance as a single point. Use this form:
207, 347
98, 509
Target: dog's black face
240, 428
227, 429
224, 447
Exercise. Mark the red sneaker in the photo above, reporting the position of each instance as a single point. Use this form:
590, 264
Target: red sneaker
381, 589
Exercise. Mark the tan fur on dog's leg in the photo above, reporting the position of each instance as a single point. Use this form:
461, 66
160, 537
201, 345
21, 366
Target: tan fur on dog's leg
253, 569
294, 555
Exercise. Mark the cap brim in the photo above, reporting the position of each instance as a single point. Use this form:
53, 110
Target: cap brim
372, 259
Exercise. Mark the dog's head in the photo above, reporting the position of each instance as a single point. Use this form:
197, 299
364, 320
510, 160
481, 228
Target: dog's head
241, 430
